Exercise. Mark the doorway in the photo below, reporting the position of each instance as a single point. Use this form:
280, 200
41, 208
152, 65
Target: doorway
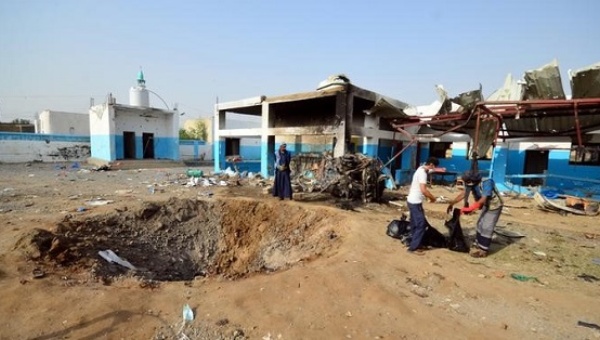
128, 145
536, 162
148, 143
271, 155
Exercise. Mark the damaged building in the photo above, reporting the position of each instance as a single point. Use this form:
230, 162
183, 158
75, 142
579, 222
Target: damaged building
542, 137
527, 133
337, 118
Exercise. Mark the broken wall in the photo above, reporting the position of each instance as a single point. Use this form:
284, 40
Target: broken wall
316, 113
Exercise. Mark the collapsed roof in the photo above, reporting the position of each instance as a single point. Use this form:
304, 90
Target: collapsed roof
534, 106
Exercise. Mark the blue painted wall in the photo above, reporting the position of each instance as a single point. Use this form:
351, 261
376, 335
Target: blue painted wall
164, 147
250, 152
101, 147
384, 153
195, 143
119, 143
368, 149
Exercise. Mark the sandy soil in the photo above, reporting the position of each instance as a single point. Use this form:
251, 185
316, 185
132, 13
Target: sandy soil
254, 267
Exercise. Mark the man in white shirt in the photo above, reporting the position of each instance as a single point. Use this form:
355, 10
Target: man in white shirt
418, 191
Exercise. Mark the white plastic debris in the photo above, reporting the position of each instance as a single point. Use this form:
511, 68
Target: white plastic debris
188, 313
442, 199
192, 182
111, 257
98, 202
229, 172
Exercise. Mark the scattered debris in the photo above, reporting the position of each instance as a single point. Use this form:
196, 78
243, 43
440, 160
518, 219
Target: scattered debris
524, 278
111, 257
539, 253
588, 325
442, 199
98, 202
352, 176
567, 204
222, 322
508, 233
588, 278
38, 273
188, 313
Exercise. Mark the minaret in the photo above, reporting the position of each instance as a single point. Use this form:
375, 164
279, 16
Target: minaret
139, 95
140, 79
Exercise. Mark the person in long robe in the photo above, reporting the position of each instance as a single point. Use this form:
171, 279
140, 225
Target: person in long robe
282, 187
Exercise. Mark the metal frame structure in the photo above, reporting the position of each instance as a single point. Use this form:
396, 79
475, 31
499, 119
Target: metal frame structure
574, 117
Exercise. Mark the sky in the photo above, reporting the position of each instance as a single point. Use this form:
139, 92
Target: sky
58, 54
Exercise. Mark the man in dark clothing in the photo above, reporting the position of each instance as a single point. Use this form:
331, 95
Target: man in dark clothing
282, 187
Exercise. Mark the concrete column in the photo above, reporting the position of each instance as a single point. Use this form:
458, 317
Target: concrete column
218, 142
498, 164
342, 135
264, 140
369, 146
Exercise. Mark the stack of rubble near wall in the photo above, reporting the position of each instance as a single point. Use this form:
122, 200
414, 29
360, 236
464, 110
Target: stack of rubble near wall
352, 176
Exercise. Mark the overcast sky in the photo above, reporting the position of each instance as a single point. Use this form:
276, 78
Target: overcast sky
58, 54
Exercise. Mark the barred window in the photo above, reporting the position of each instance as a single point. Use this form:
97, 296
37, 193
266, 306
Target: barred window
588, 154
440, 150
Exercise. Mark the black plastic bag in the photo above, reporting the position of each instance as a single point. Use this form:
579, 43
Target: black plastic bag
398, 229
456, 238
433, 238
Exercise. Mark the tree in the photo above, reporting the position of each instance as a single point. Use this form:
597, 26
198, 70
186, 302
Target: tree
197, 131
183, 134
21, 121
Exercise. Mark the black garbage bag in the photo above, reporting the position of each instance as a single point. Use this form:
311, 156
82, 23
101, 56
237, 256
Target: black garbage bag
433, 238
456, 238
399, 229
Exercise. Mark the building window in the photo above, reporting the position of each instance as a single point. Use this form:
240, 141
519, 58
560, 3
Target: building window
589, 154
232, 146
440, 149
487, 156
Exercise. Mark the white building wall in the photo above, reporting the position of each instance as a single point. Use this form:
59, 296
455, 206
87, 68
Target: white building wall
158, 124
101, 120
188, 151
65, 123
19, 148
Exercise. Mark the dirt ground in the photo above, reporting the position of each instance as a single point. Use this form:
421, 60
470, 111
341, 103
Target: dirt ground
253, 267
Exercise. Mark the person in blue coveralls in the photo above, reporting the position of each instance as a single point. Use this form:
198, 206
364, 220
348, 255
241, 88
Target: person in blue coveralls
488, 200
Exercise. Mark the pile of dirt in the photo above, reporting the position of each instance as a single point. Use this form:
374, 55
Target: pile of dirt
184, 238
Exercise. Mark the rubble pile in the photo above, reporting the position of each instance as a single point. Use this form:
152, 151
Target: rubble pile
352, 176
